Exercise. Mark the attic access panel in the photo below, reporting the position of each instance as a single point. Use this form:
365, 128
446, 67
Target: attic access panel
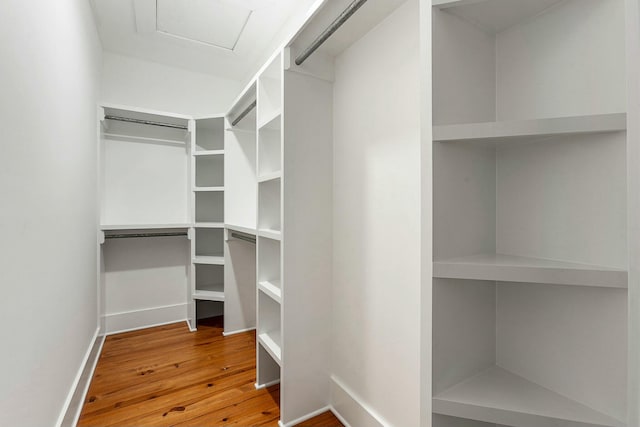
218, 23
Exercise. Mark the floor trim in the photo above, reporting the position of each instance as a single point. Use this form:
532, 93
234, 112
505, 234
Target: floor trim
351, 409
307, 417
116, 323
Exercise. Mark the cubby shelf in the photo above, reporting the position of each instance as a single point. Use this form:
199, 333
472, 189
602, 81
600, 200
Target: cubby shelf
270, 234
208, 295
115, 227
509, 268
209, 225
520, 129
499, 396
208, 189
271, 120
270, 176
271, 342
271, 289
211, 260
241, 229
199, 153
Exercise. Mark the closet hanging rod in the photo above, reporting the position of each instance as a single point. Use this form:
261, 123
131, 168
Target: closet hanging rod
146, 122
244, 113
132, 235
337, 23
243, 237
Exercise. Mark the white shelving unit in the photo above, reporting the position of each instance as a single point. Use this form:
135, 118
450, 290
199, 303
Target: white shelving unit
207, 243
530, 270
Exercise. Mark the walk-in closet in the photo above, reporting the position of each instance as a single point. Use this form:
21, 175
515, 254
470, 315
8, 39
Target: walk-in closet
360, 213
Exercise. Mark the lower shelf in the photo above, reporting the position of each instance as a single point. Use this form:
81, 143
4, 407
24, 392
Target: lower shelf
271, 342
208, 295
499, 396
212, 260
271, 289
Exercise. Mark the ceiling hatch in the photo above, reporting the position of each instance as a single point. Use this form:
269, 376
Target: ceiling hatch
217, 23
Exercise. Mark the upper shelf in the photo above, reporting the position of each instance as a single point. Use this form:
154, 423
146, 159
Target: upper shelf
116, 227
509, 268
494, 16
208, 153
522, 129
499, 396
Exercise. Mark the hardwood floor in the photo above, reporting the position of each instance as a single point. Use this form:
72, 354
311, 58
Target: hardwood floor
169, 376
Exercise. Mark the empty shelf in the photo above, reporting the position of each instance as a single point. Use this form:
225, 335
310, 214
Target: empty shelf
270, 234
209, 225
510, 268
208, 153
269, 176
514, 130
271, 121
271, 342
241, 229
212, 260
208, 189
115, 227
272, 289
499, 396
208, 295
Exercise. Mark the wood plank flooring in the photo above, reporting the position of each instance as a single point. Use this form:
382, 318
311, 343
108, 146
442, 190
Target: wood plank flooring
169, 376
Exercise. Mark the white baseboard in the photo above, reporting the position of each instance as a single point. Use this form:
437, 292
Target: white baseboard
239, 331
146, 318
306, 417
351, 409
269, 384
75, 399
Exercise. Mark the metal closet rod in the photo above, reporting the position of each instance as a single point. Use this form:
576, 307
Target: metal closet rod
244, 113
132, 235
243, 237
337, 23
146, 122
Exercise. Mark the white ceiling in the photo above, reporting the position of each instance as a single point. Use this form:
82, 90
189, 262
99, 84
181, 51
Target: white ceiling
226, 38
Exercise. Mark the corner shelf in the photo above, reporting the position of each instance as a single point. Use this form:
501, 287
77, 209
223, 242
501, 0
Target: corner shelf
509, 268
199, 153
270, 234
271, 342
499, 396
202, 295
271, 289
210, 260
510, 131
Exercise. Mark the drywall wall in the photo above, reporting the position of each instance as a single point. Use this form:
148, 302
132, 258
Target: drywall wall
134, 82
376, 291
51, 62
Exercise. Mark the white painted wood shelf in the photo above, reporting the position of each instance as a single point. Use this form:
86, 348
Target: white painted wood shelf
204, 295
271, 342
270, 176
499, 396
270, 234
241, 229
116, 227
509, 268
200, 153
209, 260
526, 129
209, 225
271, 121
208, 189
271, 289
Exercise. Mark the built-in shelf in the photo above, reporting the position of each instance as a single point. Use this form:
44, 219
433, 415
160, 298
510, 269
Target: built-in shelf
509, 268
209, 225
211, 260
271, 342
208, 295
271, 289
208, 153
208, 189
271, 120
499, 396
270, 176
116, 227
241, 229
270, 234
526, 129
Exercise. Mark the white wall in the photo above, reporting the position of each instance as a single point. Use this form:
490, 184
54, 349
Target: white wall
376, 290
134, 82
51, 61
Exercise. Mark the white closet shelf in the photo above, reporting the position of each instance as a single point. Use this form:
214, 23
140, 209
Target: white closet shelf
271, 289
499, 396
270, 176
509, 268
241, 229
208, 153
271, 342
271, 120
211, 260
209, 225
521, 129
270, 234
115, 227
208, 295
208, 189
